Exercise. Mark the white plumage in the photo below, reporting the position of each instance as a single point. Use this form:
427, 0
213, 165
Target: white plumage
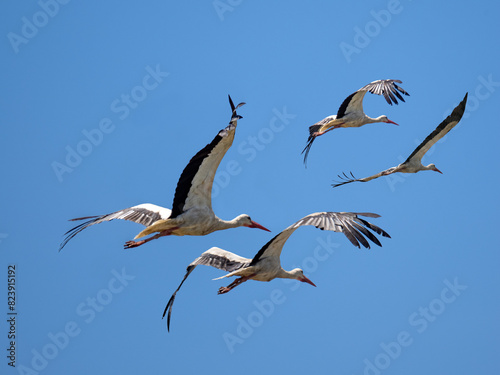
414, 162
351, 114
191, 212
266, 264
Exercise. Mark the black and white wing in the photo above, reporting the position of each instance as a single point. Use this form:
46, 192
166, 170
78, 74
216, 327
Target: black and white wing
348, 223
215, 257
385, 87
443, 128
194, 188
145, 214
319, 126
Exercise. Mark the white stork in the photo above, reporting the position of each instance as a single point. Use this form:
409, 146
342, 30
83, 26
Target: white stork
414, 162
351, 114
191, 212
266, 265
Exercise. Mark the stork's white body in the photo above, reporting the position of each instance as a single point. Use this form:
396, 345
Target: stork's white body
198, 221
414, 162
351, 114
267, 269
191, 213
266, 264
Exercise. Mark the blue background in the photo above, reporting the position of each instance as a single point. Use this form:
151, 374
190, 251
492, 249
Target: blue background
387, 310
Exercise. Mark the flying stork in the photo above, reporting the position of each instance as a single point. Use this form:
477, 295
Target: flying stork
351, 114
266, 265
414, 162
191, 212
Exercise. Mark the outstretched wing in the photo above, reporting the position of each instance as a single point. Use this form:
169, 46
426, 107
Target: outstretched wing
346, 179
221, 259
215, 257
145, 214
385, 87
194, 188
349, 223
443, 128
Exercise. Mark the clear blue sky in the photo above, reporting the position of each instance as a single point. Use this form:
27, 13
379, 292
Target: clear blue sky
102, 106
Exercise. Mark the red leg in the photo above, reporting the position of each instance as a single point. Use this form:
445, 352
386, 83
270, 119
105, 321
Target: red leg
131, 244
234, 284
326, 131
333, 127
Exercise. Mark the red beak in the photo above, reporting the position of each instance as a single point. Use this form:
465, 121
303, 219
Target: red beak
391, 122
306, 280
257, 225
437, 170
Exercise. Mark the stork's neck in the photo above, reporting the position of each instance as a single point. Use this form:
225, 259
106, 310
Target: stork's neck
227, 224
283, 274
371, 120
234, 223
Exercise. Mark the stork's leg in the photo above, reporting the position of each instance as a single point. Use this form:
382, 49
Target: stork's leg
326, 131
234, 284
333, 127
131, 244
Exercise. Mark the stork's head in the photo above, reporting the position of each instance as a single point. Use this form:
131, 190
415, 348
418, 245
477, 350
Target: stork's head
432, 167
298, 274
385, 119
244, 220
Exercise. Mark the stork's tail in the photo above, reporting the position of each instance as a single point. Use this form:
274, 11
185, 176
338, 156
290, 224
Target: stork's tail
223, 277
157, 226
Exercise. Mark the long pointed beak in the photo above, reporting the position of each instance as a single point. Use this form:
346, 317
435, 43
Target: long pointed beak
392, 122
306, 280
437, 170
257, 225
